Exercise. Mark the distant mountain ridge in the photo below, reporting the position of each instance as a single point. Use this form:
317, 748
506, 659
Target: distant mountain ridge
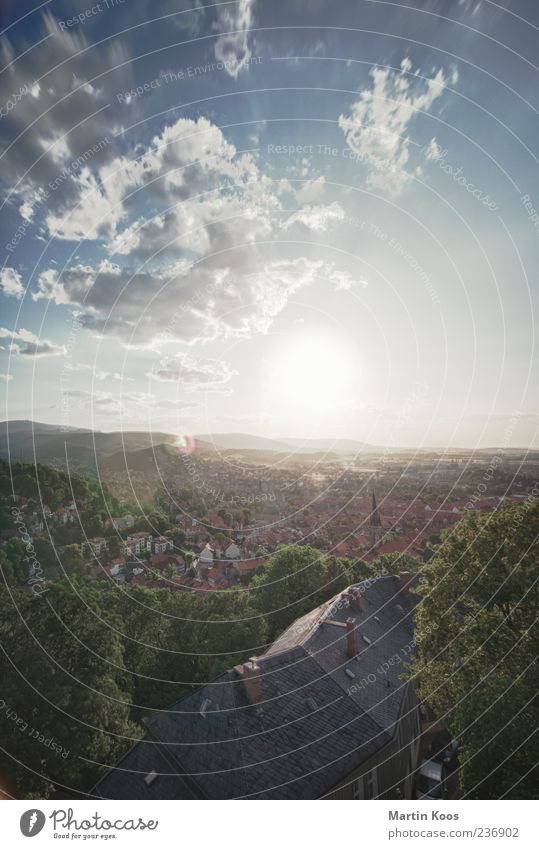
247, 441
26, 441
85, 449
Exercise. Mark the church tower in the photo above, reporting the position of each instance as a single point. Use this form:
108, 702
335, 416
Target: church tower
374, 524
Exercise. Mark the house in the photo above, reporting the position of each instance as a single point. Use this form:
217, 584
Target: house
93, 547
232, 551
206, 555
138, 543
248, 568
323, 713
217, 578
162, 544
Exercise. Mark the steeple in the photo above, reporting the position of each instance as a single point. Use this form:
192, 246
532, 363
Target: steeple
374, 523
375, 520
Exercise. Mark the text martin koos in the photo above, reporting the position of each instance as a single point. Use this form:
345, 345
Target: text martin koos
421, 815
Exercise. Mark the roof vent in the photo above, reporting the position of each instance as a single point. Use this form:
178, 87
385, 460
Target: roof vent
204, 707
311, 704
349, 673
150, 778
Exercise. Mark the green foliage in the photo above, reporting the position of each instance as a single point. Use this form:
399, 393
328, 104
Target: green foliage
392, 564
296, 579
477, 639
69, 699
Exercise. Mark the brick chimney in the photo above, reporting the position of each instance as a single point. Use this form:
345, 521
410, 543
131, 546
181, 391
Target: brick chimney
404, 582
351, 637
252, 682
354, 598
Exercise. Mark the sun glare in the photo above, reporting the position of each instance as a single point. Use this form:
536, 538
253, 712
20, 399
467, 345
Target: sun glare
312, 374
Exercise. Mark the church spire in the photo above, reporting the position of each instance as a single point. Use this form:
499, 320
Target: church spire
375, 520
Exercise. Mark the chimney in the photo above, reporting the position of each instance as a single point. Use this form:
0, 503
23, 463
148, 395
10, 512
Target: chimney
404, 582
351, 637
252, 682
354, 598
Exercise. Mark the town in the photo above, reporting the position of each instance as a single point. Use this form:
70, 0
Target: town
207, 521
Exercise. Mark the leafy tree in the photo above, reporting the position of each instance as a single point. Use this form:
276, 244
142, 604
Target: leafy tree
19, 557
72, 560
477, 647
392, 564
62, 676
46, 556
7, 573
289, 585
178, 537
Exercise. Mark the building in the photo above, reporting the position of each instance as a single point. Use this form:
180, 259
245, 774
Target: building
95, 547
160, 545
373, 525
139, 543
232, 551
323, 714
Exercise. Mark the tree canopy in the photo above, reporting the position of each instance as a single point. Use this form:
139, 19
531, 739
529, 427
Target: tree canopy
476, 631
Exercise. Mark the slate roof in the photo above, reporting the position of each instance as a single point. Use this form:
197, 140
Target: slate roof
322, 714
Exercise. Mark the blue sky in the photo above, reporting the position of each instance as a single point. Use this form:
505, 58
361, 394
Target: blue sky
284, 218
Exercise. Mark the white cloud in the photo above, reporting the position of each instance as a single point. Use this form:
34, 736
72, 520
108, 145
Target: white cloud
209, 270
11, 283
59, 119
237, 296
376, 127
311, 189
316, 218
194, 374
233, 47
186, 160
32, 345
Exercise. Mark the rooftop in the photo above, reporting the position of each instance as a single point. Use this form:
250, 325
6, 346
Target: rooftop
291, 723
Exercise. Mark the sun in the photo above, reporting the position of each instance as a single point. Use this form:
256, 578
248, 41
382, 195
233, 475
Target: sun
312, 374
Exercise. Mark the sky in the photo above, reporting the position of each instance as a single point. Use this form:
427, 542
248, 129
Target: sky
290, 219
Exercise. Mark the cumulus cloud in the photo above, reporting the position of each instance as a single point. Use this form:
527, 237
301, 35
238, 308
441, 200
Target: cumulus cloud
202, 267
11, 283
235, 298
59, 118
232, 48
30, 344
186, 160
376, 128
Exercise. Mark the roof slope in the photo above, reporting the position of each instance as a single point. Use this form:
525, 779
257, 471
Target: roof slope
321, 714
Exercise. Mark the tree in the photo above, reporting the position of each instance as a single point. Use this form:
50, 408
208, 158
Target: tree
7, 573
19, 556
72, 560
289, 585
46, 556
225, 516
392, 564
477, 646
178, 537
63, 683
